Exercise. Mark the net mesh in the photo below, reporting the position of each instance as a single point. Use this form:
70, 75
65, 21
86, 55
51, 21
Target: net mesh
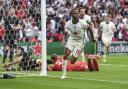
20, 41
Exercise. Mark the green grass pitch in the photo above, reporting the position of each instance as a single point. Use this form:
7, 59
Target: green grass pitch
112, 75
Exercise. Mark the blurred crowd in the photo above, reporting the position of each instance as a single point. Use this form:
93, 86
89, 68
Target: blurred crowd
58, 12
28, 14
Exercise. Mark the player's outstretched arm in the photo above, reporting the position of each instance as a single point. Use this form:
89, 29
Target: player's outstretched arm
16, 61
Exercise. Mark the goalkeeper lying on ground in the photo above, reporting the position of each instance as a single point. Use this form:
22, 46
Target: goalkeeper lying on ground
24, 61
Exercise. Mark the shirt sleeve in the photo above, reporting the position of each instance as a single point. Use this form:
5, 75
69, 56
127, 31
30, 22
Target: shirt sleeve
114, 27
89, 20
100, 27
85, 25
66, 28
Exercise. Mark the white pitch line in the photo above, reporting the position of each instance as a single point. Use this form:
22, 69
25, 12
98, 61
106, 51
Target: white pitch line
99, 80
115, 65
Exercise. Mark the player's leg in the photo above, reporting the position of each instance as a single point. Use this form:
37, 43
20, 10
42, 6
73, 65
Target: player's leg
83, 56
105, 48
11, 45
95, 64
73, 59
64, 64
11, 54
77, 51
5, 52
90, 63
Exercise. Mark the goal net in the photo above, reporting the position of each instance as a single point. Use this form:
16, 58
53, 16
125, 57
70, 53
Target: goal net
23, 37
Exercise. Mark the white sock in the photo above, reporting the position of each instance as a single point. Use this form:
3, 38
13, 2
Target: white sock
105, 51
64, 67
83, 57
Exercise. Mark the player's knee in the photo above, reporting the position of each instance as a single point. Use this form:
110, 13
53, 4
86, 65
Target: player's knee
65, 57
73, 60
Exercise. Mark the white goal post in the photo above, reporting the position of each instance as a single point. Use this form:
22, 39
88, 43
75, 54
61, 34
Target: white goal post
43, 39
27, 27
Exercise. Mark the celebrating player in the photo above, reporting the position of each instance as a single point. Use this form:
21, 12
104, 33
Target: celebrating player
75, 41
107, 29
89, 32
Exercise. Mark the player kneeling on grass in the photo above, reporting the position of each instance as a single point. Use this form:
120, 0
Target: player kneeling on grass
57, 64
24, 61
92, 62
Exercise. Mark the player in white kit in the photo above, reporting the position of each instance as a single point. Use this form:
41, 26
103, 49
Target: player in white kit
89, 33
87, 18
75, 41
107, 28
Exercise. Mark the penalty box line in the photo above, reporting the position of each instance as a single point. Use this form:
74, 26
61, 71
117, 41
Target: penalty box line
99, 80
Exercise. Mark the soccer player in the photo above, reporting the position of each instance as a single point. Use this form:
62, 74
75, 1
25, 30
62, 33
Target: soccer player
24, 60
75, 41
11, 25
57, 64
107, 29
90, 32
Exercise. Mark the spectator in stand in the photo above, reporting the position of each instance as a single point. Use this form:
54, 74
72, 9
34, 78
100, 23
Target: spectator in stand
20, 13
28, 28
59, 11
1, 33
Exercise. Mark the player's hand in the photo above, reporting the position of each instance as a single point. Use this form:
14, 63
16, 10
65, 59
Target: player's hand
113, 30
49, 68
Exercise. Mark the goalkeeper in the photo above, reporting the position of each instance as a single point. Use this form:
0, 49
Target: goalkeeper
24, 60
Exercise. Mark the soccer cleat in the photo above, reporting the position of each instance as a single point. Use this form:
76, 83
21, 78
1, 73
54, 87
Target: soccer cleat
63, 77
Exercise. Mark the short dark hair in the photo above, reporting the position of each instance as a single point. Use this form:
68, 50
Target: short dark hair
76, 8
81, 8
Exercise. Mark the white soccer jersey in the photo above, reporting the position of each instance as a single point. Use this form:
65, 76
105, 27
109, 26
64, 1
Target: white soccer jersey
75, 42
125, 20
76, 30
87, 19
107, 29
